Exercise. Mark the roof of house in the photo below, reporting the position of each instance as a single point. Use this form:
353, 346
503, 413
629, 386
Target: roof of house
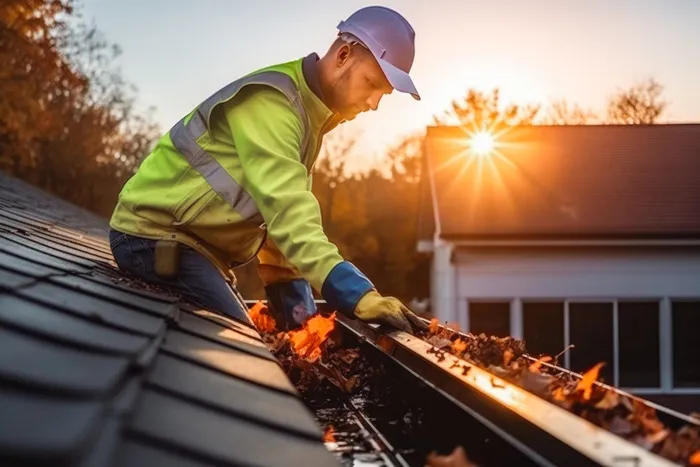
562, 182
98, 370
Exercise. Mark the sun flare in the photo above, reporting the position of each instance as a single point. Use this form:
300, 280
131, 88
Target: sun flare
482, 143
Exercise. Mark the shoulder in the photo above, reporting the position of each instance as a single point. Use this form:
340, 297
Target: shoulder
256, 101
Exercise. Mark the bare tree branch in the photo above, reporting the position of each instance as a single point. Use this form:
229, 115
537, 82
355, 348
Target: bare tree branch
641, 104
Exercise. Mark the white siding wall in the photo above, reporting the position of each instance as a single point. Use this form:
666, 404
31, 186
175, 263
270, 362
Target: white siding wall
579, 272
443, 283
566, 273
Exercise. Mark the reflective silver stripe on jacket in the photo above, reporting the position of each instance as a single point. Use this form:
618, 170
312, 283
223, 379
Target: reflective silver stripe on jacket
184, 138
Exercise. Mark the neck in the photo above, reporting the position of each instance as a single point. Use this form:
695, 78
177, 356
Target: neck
325, 67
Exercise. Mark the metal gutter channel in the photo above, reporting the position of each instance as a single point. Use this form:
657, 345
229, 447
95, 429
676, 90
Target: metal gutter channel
546, 433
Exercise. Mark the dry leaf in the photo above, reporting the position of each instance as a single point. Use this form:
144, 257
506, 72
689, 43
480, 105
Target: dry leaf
658, 437
695, 458
456, 458
306, 342
535, 366
261, 318
459, 346
434, 326
627, 403
588, 379
329, 435
651, 425
439, 342
350, 383
559, 394
349, 356
642, 441
537, 383
610, 400
507, 356
620, 426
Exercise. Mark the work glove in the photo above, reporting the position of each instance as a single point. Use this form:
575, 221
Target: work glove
374, 308
291, 303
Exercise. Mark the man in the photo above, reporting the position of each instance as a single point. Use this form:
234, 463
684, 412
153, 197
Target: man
232, 181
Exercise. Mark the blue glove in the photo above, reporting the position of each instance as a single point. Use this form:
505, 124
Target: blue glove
291, 303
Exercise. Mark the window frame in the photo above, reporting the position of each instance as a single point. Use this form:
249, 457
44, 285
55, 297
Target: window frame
665, 314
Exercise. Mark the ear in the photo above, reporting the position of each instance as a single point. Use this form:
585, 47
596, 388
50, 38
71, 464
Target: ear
342, 55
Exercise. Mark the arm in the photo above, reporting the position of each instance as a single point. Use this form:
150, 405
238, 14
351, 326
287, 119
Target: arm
289, 295
267, 133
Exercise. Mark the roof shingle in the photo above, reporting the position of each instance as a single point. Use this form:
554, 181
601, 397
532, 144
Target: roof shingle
99, 370
619, 181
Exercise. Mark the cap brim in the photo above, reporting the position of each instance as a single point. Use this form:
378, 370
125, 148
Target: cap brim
398, 78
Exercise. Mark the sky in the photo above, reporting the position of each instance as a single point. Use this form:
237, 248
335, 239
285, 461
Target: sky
178, 52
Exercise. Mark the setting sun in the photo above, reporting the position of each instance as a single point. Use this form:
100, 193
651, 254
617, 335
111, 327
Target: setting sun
482, 143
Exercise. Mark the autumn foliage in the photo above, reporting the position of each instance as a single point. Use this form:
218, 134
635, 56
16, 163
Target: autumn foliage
306, 342
68, 120
260, 315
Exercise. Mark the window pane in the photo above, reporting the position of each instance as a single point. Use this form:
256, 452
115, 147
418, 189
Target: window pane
686, 344
493, 319
638, 326
591, 332
543, 328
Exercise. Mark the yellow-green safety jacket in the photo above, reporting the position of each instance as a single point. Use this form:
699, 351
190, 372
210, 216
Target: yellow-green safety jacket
232, 180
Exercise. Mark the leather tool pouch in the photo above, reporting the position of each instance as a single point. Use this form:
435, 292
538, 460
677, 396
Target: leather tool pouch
167, 263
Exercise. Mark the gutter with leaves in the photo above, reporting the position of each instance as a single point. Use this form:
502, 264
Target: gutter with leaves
621, 414
311, 356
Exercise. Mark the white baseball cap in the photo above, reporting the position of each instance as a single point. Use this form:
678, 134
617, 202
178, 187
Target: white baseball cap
390, 38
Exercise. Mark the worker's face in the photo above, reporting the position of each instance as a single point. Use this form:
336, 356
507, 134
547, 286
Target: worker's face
359, 83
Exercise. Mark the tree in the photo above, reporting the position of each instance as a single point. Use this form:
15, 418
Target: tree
641, 104
68, 119
33, 73
330, 168
561, 112
482, 111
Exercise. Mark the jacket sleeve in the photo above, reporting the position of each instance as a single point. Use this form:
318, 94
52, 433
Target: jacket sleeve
273, 267
267, 133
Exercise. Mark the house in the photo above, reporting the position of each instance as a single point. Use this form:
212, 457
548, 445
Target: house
573, 235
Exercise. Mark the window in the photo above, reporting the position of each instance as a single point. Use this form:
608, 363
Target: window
638, 340
493, 319
686, 343
543, 328
591, 332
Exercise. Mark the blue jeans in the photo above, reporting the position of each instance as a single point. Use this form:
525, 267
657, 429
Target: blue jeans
198, 280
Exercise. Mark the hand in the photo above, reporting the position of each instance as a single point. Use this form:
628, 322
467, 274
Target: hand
374, 308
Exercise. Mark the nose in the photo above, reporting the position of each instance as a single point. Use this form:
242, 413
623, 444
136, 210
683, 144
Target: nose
373, 101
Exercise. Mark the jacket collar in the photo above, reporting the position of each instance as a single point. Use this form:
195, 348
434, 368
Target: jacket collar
308, 67
310, 71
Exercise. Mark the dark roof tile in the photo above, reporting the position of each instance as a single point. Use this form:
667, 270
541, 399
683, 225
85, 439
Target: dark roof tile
30, 268
68, 329
219, 437
226, 322
138, 453
11, 280
27, 249
233, 395
227, 360
43, 428
162, 307
230, 337
31, 361
39, 251
94, 308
